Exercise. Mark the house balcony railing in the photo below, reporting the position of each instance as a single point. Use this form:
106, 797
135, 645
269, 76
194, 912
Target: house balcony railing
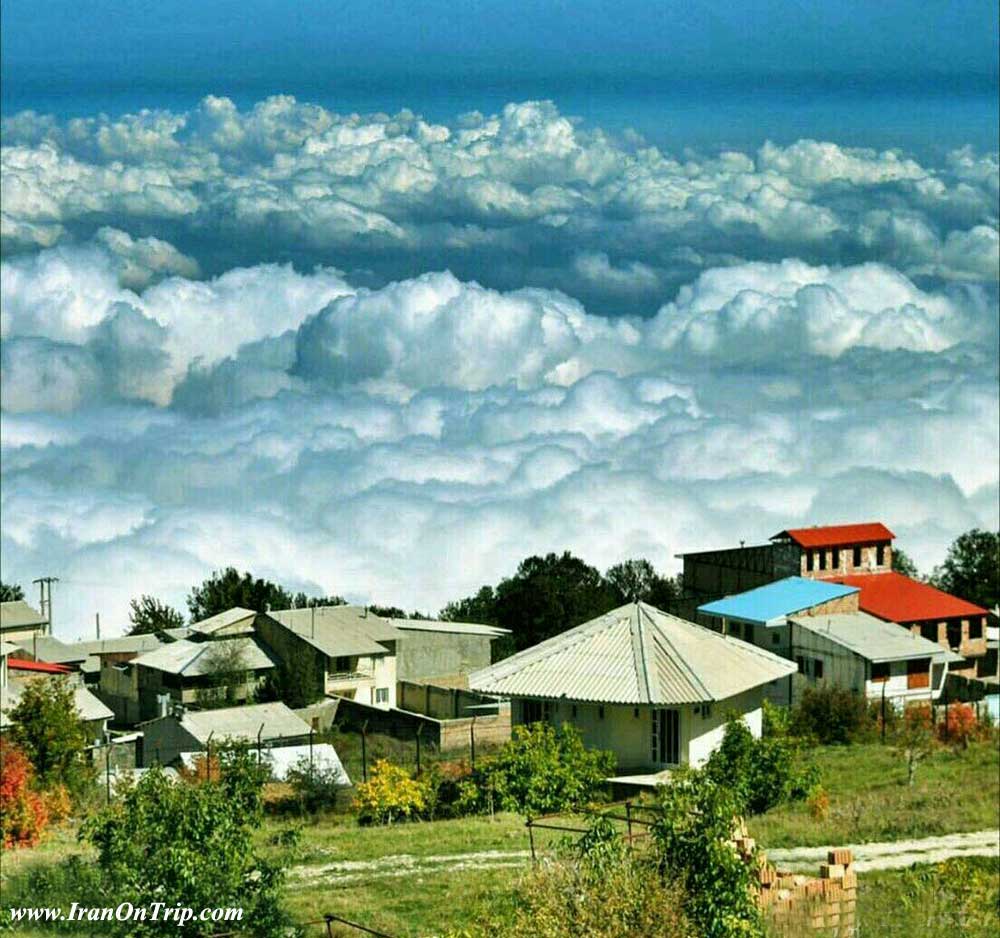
339, 677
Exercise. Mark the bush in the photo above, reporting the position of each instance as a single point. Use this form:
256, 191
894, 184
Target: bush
540, 770
192, 844
391, 794
23, 814
316, 787
831, 715
959, 726
762, 772
692, 835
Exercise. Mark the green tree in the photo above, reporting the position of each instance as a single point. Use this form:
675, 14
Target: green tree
395, 612
971, 568
192, 844
692, 834
302, 601
148, 615
228, 588
296, 682
903, 563
46, 727
638, 580
10, 592
225, 663
480, 607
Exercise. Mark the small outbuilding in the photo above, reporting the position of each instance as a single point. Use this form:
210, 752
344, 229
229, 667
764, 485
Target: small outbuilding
654, 689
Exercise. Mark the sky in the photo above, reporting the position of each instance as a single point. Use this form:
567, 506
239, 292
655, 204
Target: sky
378, 298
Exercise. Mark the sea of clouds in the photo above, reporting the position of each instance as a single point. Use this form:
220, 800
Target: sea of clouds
386, 358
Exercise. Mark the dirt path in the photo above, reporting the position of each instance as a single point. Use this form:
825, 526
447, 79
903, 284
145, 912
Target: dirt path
896, 854
877, 856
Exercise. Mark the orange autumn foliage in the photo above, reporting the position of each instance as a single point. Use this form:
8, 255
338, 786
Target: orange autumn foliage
23, 814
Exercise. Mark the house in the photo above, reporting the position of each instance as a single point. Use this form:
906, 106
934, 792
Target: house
273, 724
16, 672
350, 650
18, 620
924, 610
232, 623
654, 689
868, 656
184, 672
815, 552
760, 616
431, 651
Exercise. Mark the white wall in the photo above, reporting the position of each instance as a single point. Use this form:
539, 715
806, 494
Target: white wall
702, 735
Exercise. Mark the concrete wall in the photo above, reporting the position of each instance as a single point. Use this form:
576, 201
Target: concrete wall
284, 646
627, 731
119, 690
434, 657
713, 574
163, 741
443, 703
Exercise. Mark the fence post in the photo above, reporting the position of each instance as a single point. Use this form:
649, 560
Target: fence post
364, 750
531, 838
628, 820
107, 765
420, 729
472, 743
883, 710
312, 733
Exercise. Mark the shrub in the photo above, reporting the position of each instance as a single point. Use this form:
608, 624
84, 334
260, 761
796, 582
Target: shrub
23, 814
192, 844
959, 725
692, 836
316, 787
818, 803
761, 772
540, 770
58, 804
391, 794
831, 715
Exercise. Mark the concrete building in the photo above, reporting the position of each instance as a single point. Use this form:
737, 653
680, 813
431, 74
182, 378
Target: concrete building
18, 620
868, 656
272, 724
939, 617
760, 616
182, 672
443, 653
818, 552
351, 651
654, 689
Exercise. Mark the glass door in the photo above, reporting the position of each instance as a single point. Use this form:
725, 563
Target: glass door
666, 737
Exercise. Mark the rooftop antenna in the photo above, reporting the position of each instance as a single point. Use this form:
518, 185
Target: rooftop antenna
312, 622
97, 624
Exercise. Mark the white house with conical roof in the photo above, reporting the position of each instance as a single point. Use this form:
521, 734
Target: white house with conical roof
654, 689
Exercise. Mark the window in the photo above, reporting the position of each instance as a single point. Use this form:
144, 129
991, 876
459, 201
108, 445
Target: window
532, 711
856, 559
775, 639
929, 630
954, 634
381, 695
880, 672
801, 662
975, 628
810, 560
880, 555
817, 668
341, 665
665, 739
918, 673
835, 558
822, 560
572, 711
600, 713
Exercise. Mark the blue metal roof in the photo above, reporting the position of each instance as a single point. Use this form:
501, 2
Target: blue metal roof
781, 598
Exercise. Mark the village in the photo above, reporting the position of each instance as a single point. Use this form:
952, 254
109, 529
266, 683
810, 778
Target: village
755, 635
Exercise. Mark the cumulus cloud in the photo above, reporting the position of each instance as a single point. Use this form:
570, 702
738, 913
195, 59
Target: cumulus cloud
523, 197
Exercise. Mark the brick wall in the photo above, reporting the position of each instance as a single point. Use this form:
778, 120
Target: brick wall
847, 604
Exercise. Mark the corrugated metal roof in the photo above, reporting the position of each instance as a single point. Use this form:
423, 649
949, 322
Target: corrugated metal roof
339, 631
18, 613
776, 600
121, 644
872, 638
48, 648
224, 620
192, 659
90, 706
897, 598
455, 628
244, 723
39, 667
838, 535
7, 648
634, 655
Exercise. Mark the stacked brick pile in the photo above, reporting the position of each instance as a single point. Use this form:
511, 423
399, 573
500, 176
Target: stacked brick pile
794, 902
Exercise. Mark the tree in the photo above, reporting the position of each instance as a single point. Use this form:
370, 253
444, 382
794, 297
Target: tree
903, 563
22, 811
148, 615
480, 608
10, 592
302, 601
46, 726
971, 569
222, 591
165, 843
637, 580
225, 663
395, 612
914, 739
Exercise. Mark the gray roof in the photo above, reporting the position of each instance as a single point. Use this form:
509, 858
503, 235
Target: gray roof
244, 723
227, 620
634, 655
874, 639
192, 659
7, 648
339, 631
454, 628
18, 614
47, 648
121, 644
87, 704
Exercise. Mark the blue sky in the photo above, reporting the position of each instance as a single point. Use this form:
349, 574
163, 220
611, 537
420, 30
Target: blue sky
375, 299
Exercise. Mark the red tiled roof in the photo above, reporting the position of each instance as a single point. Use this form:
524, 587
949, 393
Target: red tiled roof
897, 598
838, 535
22, 664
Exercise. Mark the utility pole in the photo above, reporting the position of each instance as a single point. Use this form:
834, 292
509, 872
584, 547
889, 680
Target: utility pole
45, 593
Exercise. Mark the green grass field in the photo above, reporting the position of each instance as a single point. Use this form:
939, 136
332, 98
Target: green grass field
419, 879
